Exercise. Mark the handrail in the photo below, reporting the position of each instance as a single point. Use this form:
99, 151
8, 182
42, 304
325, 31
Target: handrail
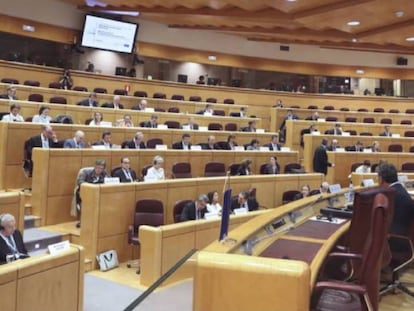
158, 282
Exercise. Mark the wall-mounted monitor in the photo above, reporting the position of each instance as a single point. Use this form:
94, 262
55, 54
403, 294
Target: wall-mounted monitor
108, 34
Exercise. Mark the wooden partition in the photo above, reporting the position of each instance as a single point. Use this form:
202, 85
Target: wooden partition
293, 130
55, 172
13, 203
278, 114
101, 204
14, 135
44, 282
357, 178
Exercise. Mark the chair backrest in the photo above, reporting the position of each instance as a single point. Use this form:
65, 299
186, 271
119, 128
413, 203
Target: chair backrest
80, 88
140, 94
329, 108
195, 99
214, 169
312, 107
101, 90
174, 109
10, 80
158, 109
263, 168
368, 120
154, 141
379, 109
177, 97
230, 127
351, 132
35, 98
178, 208
31, 83
362, 110
386, 121
365, 134
215, 127
350, 119
407, 167
234, 168
409, 134
120, 92
291, 167
148, 212
344, 109
395, 148
211, 100
394, 111
172, 124
229, 101
331, 119
58, 100
144, 171
55, 85
289, 196
181, 170
116, 168
411, 111
218, 112
407, 122
411, 149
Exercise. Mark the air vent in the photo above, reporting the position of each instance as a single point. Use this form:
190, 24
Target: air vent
285, 48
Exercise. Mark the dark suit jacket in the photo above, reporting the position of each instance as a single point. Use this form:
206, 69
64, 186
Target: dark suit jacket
283, 125
130, 144
320, 160
148, 124
122, 177
4, 248
332, 132
270, 146
353, 148
195, 126
385, 134
85, 102
6, 96
226, 146
36, 141
269, 170
242, 171
100, 143
111, 105
251, 203
248, 129
206, 146
189, 212
179, 145
403, 211
330, 148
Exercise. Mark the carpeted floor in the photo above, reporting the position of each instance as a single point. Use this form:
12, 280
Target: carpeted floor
101, 294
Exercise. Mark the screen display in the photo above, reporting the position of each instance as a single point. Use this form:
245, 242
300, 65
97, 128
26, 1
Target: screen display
107, 34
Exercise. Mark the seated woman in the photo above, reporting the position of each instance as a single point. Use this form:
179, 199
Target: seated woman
97, 119
126, 121
272, 167
376, 146
244, 168
66, 81
213, 205
156, 172
303, 193
254, 145
43, 116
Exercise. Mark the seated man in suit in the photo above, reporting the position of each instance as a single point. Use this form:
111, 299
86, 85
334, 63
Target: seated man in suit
11, 240
201, 80
184, 144
231, 142
272, 167
136, 143
251, 127
143, 103
207, 111
152, 123
244, 200
387, 131
244, 168
313, 117
190, 125
337, 130
76, 142
105, 141
333, 146
14, 115
195, 210
116, 103
274, 145
211, 144
304, 192
11, 93
125, 173
90, 101
358, 147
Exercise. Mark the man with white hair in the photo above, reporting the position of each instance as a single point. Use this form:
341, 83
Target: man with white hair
11, 241
76, 142
116, 103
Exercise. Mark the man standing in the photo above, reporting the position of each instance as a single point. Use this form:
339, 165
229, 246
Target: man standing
125, 173
320, 158
76, 142
195, 210
11, 241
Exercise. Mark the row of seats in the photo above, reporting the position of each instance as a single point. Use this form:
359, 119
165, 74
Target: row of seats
366, 120
378, 109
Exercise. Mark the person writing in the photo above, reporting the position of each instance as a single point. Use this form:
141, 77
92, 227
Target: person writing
11, 240
195, 210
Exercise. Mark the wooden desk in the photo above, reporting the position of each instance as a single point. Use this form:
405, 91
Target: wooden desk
357, 178
44, 282
13, 203
274, 234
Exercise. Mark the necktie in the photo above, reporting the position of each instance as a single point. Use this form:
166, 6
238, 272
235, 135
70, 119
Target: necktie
128, 175
11, 244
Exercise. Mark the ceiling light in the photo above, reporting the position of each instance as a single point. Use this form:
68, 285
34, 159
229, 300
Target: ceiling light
399, 13
291, 0
353, 23
354, 40
409, 39
360, 71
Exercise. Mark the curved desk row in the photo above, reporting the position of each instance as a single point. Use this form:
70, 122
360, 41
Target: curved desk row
101, 204
268, 263
44, 282
14, 134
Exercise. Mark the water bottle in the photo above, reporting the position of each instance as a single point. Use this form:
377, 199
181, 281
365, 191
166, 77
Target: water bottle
351, 193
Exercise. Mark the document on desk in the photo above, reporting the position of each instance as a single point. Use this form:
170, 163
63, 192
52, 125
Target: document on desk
332, 220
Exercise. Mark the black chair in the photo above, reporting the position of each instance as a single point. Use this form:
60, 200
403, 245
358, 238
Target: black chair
177, 97
289, 196
120, 92
212, 169
178, 209
151, 143
140, 94
211, 100
395, 148
174, 110
293, 168
58, 100
215, 127
31, 83
148, 212
80, 88
407, 167
55, 85
160, 95
229, 101
181, 170
100, 90
35, 98
9, 80
231, 127
172, 124
234, 168
195, 99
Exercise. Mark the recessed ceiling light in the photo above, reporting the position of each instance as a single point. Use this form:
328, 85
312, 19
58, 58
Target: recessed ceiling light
409, 39
399, 13
354, 40
291, 0
353, 23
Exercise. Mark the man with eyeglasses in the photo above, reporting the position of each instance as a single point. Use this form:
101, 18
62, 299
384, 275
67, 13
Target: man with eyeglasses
125, 173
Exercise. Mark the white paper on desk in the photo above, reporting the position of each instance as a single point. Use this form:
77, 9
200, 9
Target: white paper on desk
260, 130
285, 149
240, 211
263, 148
239, 148
333, 220
195, 147
211, 215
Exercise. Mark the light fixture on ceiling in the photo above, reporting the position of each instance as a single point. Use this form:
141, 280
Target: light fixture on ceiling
353, 23
399, 14
409, 39
354, 40
360, 71
291, 0
212, 58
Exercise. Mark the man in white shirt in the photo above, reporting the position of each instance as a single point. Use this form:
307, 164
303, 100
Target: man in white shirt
14, 115
364, 168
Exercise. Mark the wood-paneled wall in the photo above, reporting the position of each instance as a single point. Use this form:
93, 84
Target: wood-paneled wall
13, 203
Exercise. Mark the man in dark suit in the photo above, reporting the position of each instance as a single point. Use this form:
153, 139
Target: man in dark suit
211, 144
105, 141
190, 125
337, 130
289, 116
244, 200
333, 146
387, 131
116, 103
11, 241
141, 105
313, 117
403, 204
125, 173
11, 94
152, 123
358, 147
274, 145
320, 158
136, 143
76, 142
184, 144
90, 101
195, 210
251, 127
